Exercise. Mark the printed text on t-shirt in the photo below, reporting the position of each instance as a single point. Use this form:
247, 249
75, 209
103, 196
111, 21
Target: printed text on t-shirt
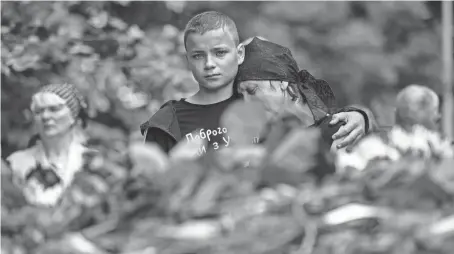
208, 135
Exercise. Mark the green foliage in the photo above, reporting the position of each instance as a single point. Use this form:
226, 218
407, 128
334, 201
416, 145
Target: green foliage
156, 204
126, 72
363, 49
126, 57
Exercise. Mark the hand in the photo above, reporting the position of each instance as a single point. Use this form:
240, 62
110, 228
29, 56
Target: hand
352, 131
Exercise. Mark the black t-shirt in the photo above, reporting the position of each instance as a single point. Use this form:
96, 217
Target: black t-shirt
206, 120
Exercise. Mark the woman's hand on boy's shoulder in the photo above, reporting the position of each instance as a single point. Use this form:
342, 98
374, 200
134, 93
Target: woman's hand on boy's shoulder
352, 131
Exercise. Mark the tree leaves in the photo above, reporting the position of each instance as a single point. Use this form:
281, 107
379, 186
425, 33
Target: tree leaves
109, 60
357, 35
149, 155
244, 121
70, 243
308, 12
130, 191
190, 204
289, 154
362, 47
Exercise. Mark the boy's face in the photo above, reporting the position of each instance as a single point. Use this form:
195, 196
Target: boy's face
213, 58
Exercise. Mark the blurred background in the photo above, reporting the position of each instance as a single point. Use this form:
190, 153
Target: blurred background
128, 57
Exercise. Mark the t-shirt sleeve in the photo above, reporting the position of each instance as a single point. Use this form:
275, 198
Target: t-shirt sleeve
161, 138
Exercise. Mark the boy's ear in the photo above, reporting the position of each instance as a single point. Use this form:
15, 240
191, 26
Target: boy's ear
241, 53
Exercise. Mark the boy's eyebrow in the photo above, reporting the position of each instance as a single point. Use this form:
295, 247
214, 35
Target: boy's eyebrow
196, 51
217, 47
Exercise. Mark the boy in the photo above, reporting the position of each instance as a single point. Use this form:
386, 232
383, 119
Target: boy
214, 53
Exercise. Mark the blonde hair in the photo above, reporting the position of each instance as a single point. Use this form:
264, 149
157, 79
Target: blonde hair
209, 21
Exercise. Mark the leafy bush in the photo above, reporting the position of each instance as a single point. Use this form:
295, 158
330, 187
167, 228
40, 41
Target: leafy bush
149, 203
126, 57
125, 72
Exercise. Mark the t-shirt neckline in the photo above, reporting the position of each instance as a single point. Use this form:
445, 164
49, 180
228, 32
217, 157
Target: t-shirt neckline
183, 100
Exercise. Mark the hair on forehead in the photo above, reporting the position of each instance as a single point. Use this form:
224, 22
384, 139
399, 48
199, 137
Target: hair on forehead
46, 98
288, 88
209, 21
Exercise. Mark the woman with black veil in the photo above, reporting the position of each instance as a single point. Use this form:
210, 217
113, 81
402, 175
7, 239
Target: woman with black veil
271, 74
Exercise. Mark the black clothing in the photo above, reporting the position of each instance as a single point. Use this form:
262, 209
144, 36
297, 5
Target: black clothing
178, 120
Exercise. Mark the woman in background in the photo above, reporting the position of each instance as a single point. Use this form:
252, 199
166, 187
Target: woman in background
46, 168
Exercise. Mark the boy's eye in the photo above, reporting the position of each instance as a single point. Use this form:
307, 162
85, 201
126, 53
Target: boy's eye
197, 56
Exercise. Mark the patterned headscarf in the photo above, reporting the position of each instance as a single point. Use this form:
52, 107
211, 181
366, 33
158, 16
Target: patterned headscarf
73, 99
69, 93
265, 60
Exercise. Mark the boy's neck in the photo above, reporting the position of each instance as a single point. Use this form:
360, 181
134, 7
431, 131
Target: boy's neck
206, 97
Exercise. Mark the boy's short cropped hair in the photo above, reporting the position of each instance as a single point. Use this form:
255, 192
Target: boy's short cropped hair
208, 21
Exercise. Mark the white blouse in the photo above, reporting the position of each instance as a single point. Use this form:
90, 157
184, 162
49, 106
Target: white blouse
24, 161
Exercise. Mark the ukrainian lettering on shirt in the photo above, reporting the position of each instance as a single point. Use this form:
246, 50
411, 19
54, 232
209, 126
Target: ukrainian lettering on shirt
211, 134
